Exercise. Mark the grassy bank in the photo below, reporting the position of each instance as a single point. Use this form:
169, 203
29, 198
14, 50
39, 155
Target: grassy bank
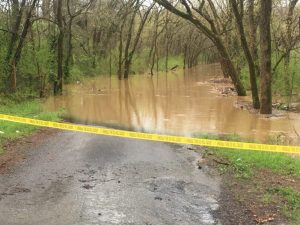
266, 184
29, 108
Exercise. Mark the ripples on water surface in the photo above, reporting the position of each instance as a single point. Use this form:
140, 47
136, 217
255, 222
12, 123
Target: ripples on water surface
178, 103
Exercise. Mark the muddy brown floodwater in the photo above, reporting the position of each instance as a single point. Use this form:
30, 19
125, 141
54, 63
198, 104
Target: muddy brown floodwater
178, 103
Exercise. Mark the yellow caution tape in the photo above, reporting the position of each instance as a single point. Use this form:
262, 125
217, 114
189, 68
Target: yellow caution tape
154, 137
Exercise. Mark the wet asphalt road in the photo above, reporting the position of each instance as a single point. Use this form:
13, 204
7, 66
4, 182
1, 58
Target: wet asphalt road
76, 178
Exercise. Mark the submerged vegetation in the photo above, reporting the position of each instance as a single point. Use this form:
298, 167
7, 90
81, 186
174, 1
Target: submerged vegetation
47, 43
66, 41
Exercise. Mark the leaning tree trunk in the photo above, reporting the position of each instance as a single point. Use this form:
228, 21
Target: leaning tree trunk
17, 54
247, 52
229, 68
17, 13
265, 64
213, 35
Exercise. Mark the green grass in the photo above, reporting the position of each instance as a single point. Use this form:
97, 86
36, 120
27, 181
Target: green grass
244, 165
291, 200
245, 161
26, 108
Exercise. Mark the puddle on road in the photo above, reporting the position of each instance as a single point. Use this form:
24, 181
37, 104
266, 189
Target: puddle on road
178, 103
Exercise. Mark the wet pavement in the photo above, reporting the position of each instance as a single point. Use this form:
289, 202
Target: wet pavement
76, 178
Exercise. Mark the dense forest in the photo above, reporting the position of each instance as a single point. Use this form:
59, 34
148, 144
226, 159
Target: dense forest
45, 44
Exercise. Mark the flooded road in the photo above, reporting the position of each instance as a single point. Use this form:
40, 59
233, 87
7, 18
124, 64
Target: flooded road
79, 178
178, 103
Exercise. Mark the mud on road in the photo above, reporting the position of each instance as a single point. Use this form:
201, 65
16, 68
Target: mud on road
75, 178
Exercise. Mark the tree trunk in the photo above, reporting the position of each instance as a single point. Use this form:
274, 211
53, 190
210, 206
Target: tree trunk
167, 57
58, 84
287, 82
13, 63
37, 64
154, 44
167, 42
246, 49
126, 68
253, 35
120, 52
265, 61
129, 56
129, 39
17, 13
68, 61
224, 68
185, 56
229, 68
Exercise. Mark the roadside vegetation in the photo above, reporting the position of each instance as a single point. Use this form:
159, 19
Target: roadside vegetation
265, 184
30, 108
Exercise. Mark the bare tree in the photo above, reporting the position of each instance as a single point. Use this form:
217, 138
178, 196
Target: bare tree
69, 33
131, 44
208, 24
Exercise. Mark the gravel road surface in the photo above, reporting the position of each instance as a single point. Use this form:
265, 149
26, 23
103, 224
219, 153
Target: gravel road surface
75, 178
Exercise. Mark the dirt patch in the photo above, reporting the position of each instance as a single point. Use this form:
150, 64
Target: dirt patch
15, 150
277, 179
231, 210
245, 202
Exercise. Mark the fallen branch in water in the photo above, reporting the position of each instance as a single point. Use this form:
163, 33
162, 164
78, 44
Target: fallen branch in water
174, 67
